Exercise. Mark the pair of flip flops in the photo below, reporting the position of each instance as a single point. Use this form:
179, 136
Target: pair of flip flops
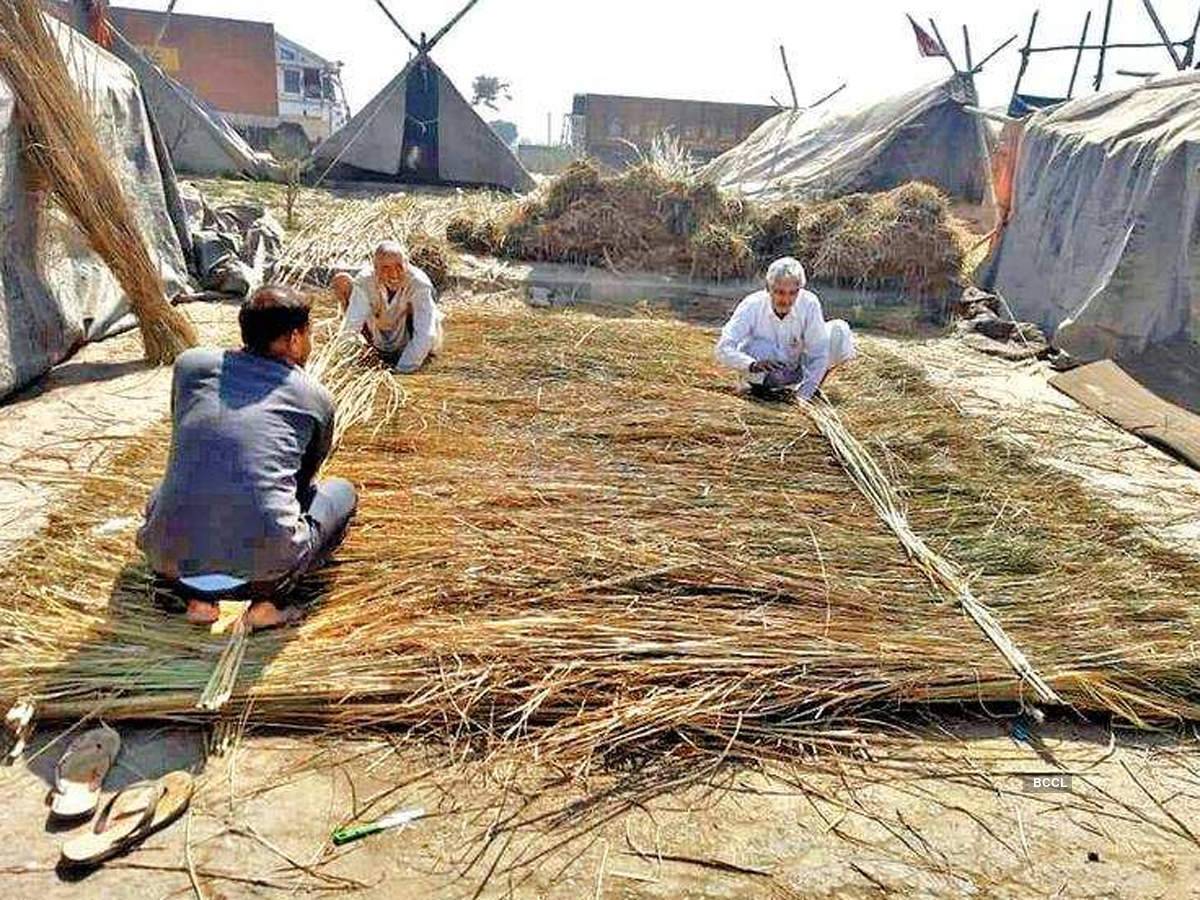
129, 816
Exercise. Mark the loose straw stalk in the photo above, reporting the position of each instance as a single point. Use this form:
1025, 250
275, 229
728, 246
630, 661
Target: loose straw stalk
62, 145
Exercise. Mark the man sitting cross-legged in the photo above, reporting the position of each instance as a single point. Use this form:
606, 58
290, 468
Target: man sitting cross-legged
392, 305
240, 497
779, 339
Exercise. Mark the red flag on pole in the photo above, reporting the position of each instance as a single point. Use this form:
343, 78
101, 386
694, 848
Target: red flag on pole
927, 44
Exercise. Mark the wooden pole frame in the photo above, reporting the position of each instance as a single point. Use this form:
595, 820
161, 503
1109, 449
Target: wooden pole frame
967, 50
408, 37
441, 32
983, 62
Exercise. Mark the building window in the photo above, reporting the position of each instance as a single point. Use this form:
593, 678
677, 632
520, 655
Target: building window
291, 81
286, 54
312, 84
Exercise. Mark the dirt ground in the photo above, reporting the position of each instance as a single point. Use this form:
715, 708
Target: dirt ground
945, 811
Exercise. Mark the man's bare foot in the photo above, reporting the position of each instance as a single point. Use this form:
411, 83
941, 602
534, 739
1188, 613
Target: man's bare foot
265, 614
201, 612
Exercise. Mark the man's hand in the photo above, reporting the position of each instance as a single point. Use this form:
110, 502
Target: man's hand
404, 370
766, 366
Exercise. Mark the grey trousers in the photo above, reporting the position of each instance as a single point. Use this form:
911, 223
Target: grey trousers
327, 507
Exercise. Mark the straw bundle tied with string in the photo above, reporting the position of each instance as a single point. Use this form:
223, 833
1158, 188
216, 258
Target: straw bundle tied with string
61, 143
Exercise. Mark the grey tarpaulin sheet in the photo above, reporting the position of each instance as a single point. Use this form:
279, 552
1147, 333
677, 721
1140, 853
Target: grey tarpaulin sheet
469, 152
1102, 248
54, 291
922, 135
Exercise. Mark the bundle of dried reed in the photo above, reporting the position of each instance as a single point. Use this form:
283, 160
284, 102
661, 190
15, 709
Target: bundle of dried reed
576, 540
60, 141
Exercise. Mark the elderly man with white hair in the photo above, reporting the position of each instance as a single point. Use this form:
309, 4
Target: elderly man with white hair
778, 338
392, 304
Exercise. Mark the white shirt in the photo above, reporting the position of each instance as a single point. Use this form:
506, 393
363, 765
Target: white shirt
387, 316
754, 333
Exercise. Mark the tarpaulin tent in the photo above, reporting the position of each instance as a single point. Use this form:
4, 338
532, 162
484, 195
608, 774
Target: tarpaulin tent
54, 291
1103, 245
199, 139
925, 135
420, 129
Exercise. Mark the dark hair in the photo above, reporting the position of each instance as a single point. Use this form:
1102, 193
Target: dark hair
272, 312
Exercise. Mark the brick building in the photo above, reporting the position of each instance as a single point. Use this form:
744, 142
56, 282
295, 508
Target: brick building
256, 78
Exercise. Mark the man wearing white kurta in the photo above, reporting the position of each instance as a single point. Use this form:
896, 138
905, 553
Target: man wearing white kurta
779, 339
393, 305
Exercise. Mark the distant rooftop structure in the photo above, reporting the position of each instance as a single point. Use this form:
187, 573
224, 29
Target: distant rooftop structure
257, 78
613, 129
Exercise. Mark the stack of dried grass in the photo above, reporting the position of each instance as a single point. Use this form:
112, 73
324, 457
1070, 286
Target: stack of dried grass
646, 218
344, 235
61, 143
575, 538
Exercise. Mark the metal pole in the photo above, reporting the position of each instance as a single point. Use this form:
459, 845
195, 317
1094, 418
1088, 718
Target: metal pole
1162, 33
1087, 24
788, 72
1025, 53
1103, 46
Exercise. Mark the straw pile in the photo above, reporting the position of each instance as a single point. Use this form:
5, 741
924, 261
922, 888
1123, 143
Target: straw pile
344, 236
61, 143
574, 539
648, 218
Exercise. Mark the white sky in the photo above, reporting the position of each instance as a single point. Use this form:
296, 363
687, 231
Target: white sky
551, 49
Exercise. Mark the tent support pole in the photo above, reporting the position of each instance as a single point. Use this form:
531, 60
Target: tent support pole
408, 37
967, 49
983, 62
1103, 46
1190, 54
949, 59
837, 90
1025, 51
788, 72
1162, 33
1087, 24
441, 33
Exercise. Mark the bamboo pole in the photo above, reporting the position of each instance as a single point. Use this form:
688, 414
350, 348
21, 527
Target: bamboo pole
949, 59
788, 72
1087, 24
441, 33
1025, 51
1190, 56
967, 48
1001, 46
1162, 33
1103, 45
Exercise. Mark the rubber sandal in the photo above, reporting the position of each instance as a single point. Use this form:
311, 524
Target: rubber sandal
177, 790
124, 821
80, 773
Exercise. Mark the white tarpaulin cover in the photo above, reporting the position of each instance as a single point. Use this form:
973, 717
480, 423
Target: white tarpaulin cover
922, 135
1103, 247
54, 291
389, 140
